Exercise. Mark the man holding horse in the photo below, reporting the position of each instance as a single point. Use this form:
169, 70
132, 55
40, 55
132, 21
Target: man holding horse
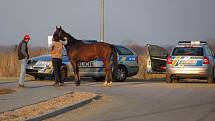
56, 54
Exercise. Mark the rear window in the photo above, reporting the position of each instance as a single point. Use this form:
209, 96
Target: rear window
124, 51
188, 51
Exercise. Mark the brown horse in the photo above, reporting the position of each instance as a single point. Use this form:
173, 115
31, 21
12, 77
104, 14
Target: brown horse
78, 51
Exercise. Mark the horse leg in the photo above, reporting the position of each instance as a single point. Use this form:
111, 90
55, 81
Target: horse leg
78, 76
108, 77
109, 72
106, 74
75, 72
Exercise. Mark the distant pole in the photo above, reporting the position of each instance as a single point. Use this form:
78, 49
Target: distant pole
102, 20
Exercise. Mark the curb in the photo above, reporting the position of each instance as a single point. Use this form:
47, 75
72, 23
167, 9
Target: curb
64, 109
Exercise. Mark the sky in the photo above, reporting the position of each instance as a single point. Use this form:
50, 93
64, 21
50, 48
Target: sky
161, 22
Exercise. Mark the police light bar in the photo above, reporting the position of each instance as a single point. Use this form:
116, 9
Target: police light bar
193, 42
184, 42
204, 42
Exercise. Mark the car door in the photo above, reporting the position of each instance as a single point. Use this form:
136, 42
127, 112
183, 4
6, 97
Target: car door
155, 59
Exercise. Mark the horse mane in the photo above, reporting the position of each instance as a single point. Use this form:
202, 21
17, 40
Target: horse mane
72, 40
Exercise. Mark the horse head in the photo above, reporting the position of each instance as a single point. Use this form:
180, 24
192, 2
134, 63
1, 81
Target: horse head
60, 35
64, 37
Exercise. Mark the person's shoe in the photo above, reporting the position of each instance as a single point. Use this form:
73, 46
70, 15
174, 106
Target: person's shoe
55, 84
61, 84
77, 83
21, 86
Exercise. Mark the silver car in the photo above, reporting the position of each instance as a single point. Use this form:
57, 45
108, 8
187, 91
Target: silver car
190, 59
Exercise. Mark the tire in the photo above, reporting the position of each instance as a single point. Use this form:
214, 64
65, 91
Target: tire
36, 77
121, 74
99, 79
175, 81
39, 78
64, 73
168, 78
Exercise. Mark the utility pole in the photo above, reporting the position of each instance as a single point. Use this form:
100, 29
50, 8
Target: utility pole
102, 20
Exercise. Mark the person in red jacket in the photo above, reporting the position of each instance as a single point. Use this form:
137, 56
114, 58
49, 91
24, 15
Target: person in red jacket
23, 57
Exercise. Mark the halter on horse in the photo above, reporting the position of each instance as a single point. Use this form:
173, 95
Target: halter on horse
78, 51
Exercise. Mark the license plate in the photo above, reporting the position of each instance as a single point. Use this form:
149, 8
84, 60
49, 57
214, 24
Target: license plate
187, 62
86, 64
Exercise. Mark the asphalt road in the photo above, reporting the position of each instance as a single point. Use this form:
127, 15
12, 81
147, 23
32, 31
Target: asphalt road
145, 101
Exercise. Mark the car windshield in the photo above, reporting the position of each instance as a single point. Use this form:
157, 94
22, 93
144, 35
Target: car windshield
188, 51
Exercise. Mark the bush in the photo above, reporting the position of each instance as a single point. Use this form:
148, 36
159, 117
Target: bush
9, 63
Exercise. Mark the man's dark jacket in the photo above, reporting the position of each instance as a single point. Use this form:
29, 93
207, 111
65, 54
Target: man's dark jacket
23, 50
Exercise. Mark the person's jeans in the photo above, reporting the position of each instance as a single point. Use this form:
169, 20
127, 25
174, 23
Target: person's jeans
23, 63
56, 62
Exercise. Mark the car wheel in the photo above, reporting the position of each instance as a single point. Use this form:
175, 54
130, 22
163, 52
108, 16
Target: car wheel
99, 79
175, 80
39, 78
36, 77
64, 73
120, 74
168, 78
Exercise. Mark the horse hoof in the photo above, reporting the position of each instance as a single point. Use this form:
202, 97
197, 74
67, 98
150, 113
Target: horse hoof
105, 84
109, 84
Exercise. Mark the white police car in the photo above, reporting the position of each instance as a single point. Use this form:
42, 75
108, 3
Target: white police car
190, 59
41, 66
187, 60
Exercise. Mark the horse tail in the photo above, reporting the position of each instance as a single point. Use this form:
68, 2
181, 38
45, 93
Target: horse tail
115, 59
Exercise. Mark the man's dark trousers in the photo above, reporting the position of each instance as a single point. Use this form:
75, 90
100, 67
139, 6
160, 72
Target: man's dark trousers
56, 62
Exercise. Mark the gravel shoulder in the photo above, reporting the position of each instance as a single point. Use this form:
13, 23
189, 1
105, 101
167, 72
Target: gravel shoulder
44, 107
